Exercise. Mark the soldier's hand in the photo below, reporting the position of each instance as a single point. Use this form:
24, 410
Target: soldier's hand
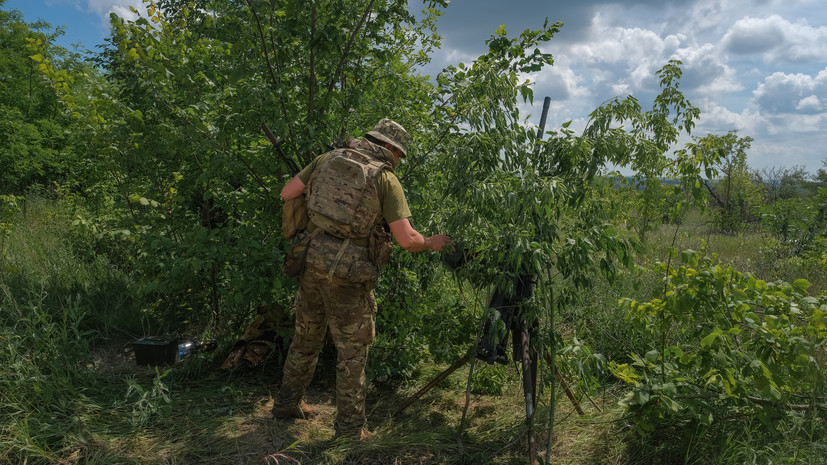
439, 241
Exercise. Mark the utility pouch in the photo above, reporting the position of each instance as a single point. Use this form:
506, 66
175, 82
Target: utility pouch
297, 256
294, 216
340, 259
380, 245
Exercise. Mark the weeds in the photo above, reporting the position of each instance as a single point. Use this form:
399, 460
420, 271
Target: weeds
148, 403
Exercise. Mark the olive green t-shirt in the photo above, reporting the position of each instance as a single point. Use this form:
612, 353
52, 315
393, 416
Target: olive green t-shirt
391, 196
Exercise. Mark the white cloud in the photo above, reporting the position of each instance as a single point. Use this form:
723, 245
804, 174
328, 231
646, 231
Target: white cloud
559, 81
705, 71
120, 7
455, 56
619, 45
784, 93
729, 50
779, 141
617, 60
704, 15
782, 153
620, 60
777, 40
755, 35
717, 119
809, 104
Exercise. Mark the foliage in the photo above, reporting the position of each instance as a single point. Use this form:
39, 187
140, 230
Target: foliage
737, 194
9, 210
799, 224
820, 178
39, 138
722, 343
41, 351
558, 229
167, 203
148, 403
784, 183
185, 169
488, 379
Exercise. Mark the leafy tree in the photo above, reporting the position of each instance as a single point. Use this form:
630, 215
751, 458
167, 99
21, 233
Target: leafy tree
737, 195
784, 183
195, 181
530, 208
799, 224
38, 146
821, 175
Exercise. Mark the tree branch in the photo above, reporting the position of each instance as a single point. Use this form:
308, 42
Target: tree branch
713, 194
273, 76
311, 81
349, 45
210, 137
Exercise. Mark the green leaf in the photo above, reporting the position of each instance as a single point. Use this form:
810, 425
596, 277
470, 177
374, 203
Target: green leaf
639, 397
709, 339
132, 55
740, 294
801, 285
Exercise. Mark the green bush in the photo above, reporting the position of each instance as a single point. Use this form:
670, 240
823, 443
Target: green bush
723, 342
422, 317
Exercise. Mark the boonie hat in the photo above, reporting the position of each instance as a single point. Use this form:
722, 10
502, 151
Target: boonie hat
393, 133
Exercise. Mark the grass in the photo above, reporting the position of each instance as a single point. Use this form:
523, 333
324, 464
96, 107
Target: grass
751, 251
235, 426
70, 392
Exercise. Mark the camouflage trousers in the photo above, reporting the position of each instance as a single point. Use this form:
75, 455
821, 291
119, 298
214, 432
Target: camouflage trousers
349, 311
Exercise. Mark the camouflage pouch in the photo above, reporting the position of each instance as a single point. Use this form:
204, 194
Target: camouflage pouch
297, 256
380, 245
294, 216
340, 259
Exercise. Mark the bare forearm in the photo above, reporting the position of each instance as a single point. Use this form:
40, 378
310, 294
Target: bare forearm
412, 241
417, 243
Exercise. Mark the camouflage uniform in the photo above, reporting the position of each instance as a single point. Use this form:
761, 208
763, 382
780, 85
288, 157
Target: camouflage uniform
336, 289
350, 312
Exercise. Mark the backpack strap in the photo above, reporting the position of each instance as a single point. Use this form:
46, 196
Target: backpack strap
338, 258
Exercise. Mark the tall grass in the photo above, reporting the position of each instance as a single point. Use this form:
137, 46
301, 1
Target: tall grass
57, 300
46, 258
751, 250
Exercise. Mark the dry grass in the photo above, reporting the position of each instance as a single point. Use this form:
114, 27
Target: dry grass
751, 251
226, 419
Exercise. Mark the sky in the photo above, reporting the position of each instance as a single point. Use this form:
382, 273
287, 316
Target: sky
755, 66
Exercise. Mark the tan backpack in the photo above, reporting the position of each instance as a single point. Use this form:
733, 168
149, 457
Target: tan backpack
342, 198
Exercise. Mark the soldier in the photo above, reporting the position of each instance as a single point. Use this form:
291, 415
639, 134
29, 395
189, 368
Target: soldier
353, 198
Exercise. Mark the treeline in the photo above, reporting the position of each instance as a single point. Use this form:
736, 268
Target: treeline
788, 203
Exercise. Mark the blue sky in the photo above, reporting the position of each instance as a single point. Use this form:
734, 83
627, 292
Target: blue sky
86, 21
756, 66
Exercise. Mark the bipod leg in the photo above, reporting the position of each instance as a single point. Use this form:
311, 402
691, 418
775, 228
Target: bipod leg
566, 388
529, 373
410, 400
